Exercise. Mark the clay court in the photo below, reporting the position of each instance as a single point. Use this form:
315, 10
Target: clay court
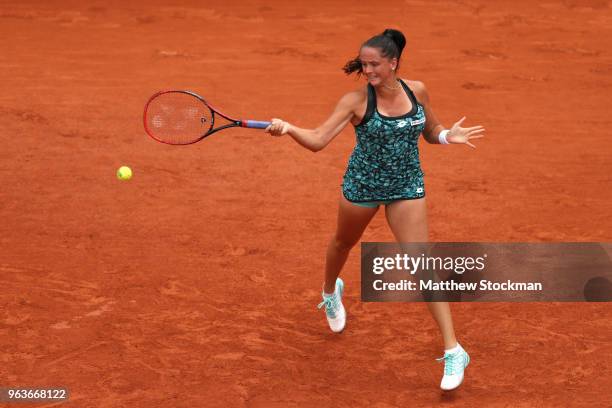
195, 283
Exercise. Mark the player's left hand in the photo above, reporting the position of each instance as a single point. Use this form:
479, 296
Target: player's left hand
460, 135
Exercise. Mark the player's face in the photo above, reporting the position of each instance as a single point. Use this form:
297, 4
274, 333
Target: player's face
376, 68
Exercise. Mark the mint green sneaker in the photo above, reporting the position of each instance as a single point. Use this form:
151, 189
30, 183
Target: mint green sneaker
454, 365
334, 310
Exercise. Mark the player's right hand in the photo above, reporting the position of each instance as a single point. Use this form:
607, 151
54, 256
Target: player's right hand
278, 127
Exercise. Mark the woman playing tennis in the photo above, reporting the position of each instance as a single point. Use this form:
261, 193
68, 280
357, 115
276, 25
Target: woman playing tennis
388, 114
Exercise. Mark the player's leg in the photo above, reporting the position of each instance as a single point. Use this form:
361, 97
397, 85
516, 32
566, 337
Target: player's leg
352, 221
408, 221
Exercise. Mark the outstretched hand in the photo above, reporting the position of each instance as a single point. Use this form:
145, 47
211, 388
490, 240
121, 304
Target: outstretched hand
460, 135
278, 127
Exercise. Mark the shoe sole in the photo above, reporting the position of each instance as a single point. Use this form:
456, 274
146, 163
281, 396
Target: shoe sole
345, 314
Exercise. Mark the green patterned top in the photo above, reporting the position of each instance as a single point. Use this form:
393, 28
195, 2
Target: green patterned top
385, 162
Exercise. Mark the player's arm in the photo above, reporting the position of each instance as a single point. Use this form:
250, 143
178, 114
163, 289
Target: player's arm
433, 128
317, 139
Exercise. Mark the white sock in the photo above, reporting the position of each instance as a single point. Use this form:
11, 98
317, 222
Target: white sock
453, 350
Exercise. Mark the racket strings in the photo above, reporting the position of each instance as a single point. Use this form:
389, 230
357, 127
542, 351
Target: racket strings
177, 118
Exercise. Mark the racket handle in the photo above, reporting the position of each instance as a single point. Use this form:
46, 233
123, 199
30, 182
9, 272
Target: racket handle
255, 124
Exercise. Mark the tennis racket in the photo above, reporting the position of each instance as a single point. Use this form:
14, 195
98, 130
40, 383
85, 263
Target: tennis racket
184, 117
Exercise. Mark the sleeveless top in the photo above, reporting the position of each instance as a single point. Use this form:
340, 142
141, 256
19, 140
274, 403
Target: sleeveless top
385, 162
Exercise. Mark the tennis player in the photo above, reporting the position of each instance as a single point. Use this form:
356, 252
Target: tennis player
388, 115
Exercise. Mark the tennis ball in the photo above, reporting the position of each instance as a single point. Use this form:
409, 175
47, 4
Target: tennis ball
124, 173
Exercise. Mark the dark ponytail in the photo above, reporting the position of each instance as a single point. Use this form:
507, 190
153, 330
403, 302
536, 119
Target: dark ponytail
391, 43
352, 66
398, 38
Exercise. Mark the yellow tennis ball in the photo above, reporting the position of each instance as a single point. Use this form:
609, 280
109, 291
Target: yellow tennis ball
124, 173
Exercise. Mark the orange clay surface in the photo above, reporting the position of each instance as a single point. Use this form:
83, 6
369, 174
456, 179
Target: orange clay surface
195, 284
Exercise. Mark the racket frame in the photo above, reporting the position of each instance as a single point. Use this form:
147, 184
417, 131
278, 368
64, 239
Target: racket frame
233, 122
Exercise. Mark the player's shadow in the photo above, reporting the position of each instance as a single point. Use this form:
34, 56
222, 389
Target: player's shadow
448, 397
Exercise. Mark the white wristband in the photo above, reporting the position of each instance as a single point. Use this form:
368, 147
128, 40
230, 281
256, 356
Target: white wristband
442, 137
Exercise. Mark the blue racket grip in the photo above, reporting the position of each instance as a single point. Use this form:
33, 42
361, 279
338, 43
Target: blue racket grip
255, 124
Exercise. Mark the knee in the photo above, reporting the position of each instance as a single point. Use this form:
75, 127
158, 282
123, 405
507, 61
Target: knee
342, 244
